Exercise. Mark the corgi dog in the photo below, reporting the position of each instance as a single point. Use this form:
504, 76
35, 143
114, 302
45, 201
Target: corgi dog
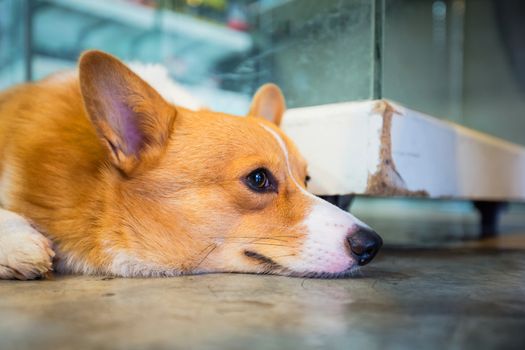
100, 175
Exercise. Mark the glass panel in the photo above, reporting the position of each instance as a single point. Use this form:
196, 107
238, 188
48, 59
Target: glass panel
423, 55
317, 51
457, 59
494, 79
463, 60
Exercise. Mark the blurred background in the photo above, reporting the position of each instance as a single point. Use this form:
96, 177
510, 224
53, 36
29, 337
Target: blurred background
461, 60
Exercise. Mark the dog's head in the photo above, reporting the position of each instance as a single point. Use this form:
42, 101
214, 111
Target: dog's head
198, 191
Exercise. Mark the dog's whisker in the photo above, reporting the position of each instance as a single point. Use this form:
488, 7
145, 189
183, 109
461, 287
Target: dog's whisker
257, 237
281, 256
214, 246
271, 244
261, 243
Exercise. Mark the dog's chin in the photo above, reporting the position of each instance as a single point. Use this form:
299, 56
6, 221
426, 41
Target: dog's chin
283, 271
271, 267
348, 273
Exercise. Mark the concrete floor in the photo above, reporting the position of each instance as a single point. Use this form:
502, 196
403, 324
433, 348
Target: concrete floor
469, 297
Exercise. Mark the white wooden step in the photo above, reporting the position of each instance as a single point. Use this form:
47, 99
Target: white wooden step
384, 149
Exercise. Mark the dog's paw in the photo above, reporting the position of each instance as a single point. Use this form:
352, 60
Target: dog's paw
24, 252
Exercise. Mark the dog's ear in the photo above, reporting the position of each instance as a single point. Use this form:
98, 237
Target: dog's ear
132, 119
268, 103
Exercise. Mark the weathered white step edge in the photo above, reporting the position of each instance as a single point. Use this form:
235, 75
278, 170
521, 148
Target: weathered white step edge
381, 148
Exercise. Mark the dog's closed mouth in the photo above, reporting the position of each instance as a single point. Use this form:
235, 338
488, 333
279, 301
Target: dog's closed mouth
272, 265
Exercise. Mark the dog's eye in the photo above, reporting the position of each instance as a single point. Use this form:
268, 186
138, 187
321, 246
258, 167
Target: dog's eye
307, 179
260, 180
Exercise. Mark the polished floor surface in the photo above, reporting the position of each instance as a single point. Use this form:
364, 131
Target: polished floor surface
470, 296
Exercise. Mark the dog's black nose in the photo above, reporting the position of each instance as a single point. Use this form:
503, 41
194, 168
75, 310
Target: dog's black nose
364, 245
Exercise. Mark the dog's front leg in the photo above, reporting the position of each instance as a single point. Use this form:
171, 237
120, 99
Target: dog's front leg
24, 252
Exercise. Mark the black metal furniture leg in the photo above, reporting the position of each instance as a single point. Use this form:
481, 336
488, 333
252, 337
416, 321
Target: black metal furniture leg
342, 201
489, 212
